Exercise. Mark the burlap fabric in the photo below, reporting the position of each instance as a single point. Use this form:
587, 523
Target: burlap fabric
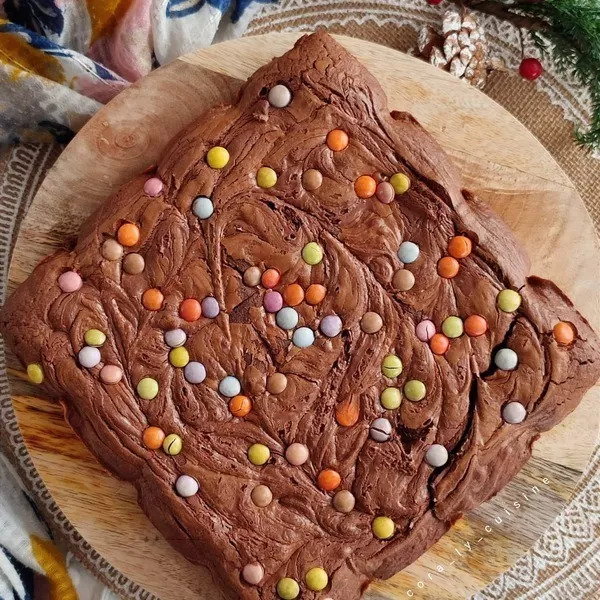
565, 562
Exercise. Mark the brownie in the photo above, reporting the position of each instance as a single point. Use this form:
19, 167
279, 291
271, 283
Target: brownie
302, 341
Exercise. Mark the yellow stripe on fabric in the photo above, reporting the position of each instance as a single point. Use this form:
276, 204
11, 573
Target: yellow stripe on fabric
26, 60
53, 564
104, 16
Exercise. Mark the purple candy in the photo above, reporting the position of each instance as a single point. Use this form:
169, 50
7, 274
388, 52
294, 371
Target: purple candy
331, 325
272, 301
425, 330
210, 307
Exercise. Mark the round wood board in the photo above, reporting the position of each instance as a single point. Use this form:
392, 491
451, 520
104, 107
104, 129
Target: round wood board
501, 161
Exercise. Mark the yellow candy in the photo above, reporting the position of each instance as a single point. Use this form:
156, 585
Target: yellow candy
415, 390
217, 157
147, 388
312, 253
288, 588
316, 579
508, 300
179, 357
258, 454
391, 366
35, 373
391, 398
383, 528
266, 177
94, 337
400, 182
173, 444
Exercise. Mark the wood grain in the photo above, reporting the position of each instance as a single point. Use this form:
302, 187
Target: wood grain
501, 161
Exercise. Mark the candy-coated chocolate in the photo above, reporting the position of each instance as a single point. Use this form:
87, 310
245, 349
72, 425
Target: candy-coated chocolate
312, 180
391, 398
111, 374
186, 486
303, 337
344, 501
287, 318
94, 337
240, 406
175, 338
296, 454
312, 253
253, 573
203, 207
380, 430
315, 293
337, 140
563, 333
400, 183
153, 187
439, 344
365, 186
276, 383
371, 322
179, 357
134, 263
279, 96
452, 327
261, 496
316, 579
112, 250
391, 366
89, 357
210, 307
514, 412
506, 359
258, 454
217, 157
436, 456
194, 372
383, 528
153, 437
272, 301
415, 390
408, 252
252, 276
475, 325
172, 444
35, 373
347, 412
448, 267
508, 300
270, 278
425, 330
230, 386
190, 310
293, 294
288, 588
403, 280
266, 177
385, 192
153, 299
128, 234
330, 326
69, 281
328, 480
460, 246
147, 388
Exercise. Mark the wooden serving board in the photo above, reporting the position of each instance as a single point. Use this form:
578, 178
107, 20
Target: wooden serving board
501, 161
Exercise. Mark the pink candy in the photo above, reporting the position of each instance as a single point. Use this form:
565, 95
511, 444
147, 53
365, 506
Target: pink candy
272, 301
111, 374
425, 330
70, 282
153, 187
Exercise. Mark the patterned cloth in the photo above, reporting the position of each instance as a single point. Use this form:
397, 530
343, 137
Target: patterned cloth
60, 60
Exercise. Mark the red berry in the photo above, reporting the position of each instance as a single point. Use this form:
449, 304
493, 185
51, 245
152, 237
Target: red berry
531, 68
434, 2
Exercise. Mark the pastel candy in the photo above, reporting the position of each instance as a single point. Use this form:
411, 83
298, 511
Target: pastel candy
344, 501
385, 192
390, 398
112, 250
153, 187
70, 282
312, 180
296, 454
147, 388
173, 444
266, 177
179, 357
303, 337
452, 327
272, 301
415, 390
400, 182
133, 264
514, 412
288, 588
175, 338
276, 383
371, 322
111, 374
425, 330
383, 528
210, 307
312, 253
279, 96
287, 318
316, 579
403, 280
261, 496
408, 252
331, 325
380, 430
508, 300
94, 337
436, 455
89, 357
230, 386
186, 486
391, 366
217, 157
203, 207
258, 454
253, 573
252, 276
506, 359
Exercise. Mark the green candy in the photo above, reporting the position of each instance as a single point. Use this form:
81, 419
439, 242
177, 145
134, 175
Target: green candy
94, 337
288, 588
391, 398
173, 444
391, 366
312, 253
453, 327
508, 300
415, 390
147, 388
316, 579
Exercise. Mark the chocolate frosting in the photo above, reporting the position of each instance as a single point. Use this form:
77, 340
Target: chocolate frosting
220, 527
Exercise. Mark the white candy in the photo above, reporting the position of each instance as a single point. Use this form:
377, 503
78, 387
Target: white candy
186, 486
279, 96
514, 412
303, 337
287, 318
436, 455
89, 357
175, 338
194, 372
203, 207
230, 386
506, 359
408, 252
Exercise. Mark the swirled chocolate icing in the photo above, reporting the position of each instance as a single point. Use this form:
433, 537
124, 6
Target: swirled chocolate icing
185, 257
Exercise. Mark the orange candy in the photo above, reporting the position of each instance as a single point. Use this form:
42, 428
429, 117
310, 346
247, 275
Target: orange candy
347, 412
439, 343
328, 480
293, 294
153, 437
475, 325
190, 310
153, 299
365, 186
337, 140
315, 293
448, 267
460, 246
563, 333
128, 234
270, 278
240, 406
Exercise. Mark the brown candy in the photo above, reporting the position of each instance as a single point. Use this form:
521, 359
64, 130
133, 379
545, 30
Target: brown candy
371, 322
403, 280
134, 263
344, 501
276, 383
112, 250
252, 276
261, 496
312, 180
